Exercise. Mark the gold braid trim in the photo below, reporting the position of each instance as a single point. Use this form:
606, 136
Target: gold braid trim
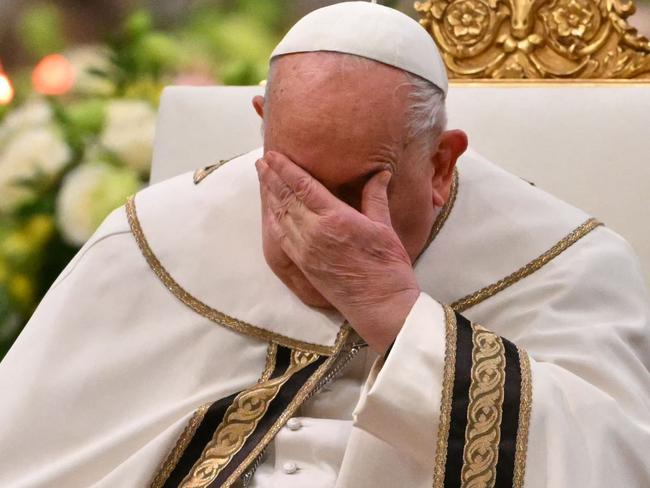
271, 355
525, 407
485, 410
445, 401
240, 420
443, 215
174, 456
203, 309
298, 400
181, 444
202, 173
562, 245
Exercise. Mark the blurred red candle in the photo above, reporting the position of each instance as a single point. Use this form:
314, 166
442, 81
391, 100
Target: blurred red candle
6, 90
53, 75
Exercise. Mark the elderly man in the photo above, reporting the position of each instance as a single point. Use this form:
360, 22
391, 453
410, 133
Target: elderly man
308, 315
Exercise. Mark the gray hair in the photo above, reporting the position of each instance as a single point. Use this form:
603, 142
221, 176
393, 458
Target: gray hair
427, 112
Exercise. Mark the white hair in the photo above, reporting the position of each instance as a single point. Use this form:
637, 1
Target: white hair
427, 112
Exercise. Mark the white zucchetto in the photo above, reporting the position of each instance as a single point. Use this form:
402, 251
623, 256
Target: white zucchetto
371, 31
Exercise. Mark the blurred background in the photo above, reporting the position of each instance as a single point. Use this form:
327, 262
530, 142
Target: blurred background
79, 87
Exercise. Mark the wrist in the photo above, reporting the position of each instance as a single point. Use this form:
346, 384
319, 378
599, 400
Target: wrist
380, 323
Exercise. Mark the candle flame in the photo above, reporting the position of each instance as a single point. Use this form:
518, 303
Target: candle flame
6, 90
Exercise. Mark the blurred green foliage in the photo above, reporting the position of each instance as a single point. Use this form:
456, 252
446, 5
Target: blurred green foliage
41, 30
227, 44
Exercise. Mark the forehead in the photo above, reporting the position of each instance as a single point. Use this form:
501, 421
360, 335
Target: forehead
335, 115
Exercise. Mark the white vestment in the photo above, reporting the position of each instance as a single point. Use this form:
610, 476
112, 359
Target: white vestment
168, 350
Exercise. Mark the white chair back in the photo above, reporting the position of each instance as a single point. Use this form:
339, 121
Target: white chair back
589, 144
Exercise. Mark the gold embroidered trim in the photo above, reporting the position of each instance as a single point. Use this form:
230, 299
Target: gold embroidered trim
239, 422
525, 407
181, 444
443, 215
271, 354
300, 397
445, 401
174, 456
562, 245
202, 173
201, 308
485, 409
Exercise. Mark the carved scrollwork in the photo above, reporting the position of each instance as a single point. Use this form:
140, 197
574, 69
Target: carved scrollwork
537, 38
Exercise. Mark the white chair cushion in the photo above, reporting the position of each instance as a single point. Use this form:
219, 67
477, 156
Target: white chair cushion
587, 144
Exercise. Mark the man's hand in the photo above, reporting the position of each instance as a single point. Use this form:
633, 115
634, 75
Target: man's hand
355, 260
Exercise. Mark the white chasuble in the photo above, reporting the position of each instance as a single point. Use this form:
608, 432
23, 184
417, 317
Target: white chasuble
168, 354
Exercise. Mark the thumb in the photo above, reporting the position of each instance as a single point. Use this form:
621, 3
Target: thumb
374, 199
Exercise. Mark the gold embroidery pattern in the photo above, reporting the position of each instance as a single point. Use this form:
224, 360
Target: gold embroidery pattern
562, 245
202, 173
181, 444
485, 409
300, 397
445, 401
201, 308
239, 421
175, 455
525, 407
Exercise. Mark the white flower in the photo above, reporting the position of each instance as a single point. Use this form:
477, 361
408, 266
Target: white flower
89, 193
32, 152
34, 113
129, 131
85, 58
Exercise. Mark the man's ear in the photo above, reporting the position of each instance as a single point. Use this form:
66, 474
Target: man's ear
451, 146
258, 105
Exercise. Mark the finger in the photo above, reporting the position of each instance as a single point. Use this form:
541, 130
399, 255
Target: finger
287, 234
270, 181
306, 188
284, 201
292, 209
374, 199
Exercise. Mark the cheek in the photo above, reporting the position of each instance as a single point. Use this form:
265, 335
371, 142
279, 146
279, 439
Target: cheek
408, 203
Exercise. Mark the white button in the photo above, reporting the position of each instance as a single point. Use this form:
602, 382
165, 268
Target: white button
294, 424
289, 468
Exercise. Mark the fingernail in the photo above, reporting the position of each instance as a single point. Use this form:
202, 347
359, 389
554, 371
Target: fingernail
386, 176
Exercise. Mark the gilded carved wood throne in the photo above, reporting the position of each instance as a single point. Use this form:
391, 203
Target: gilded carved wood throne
560, 39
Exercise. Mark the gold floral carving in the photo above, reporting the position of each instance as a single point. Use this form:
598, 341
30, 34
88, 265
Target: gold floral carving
240, 420
485, 409
589, 39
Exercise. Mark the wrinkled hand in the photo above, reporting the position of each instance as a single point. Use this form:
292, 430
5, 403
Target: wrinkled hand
355, 260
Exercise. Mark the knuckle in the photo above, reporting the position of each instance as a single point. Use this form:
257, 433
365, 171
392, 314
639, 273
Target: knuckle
285, 195
303, 187
333, 220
